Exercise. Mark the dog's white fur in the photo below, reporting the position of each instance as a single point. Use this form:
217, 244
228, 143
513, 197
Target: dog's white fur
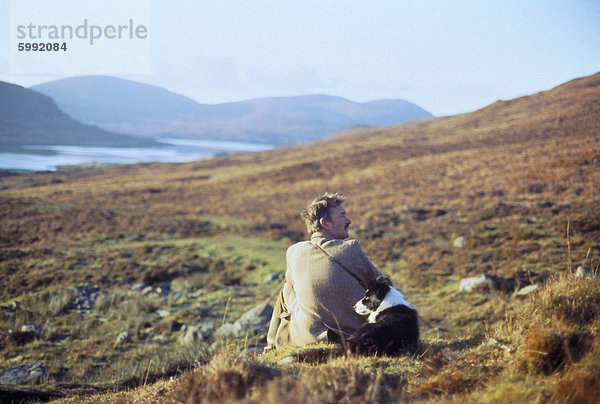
393, 298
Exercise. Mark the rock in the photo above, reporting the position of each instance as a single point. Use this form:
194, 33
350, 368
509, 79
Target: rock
22, 374
229, 330
196, 332
199, 292
253, 322
163, 312
85, 298
481, 282
254, 349
487, 283
255, 318
271, 277
527, 290
181, 294
263, 311
207, 328
147, 290
123, 337
163, 288
33, 328
459, 242
584, 271
138, 287
189, 337
287, 359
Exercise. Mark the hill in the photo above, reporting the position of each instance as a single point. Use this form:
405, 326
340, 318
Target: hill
146, 110
516, 182
30, 118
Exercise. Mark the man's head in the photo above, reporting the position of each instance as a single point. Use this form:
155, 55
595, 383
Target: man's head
327, 214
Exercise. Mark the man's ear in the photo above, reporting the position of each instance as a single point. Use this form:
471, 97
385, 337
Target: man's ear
323, 223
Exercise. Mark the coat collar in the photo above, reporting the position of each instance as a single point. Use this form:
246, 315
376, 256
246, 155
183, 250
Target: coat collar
321, 234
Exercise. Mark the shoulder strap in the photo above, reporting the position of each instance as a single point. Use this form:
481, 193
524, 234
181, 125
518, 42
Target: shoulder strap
318, 247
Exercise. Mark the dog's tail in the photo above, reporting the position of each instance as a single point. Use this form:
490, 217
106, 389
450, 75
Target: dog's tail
317, 355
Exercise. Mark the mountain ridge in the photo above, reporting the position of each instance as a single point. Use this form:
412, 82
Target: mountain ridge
30, 118
151, 111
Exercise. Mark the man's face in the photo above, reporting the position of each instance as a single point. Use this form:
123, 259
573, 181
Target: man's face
337, 226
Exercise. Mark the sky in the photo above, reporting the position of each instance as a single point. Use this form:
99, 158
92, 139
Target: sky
448, 57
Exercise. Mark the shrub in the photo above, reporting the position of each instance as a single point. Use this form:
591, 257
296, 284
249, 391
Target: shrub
49, 302
555, 328
579, 385
227, 377
549, 351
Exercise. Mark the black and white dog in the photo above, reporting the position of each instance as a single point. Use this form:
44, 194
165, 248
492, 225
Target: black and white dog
392, 326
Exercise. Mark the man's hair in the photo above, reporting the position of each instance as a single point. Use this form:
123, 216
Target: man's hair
319, 208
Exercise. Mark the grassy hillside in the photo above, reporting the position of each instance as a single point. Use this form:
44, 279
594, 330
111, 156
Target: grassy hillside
518, 179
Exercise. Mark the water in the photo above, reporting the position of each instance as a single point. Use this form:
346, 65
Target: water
173, 151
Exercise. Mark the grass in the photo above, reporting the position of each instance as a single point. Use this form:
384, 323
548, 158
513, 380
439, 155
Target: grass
197, 269
216, 230
476, 368
503, 365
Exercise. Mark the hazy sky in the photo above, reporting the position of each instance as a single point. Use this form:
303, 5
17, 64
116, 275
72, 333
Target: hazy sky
446, 56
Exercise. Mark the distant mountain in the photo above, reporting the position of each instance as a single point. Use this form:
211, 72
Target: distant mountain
145, 110
30, 118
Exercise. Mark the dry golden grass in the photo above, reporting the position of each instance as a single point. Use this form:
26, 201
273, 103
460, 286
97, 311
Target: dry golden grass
525, 359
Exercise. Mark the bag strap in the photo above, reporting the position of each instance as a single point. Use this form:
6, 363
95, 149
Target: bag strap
318, 247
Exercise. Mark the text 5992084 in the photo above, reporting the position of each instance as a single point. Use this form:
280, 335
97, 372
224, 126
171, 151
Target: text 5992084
42, 47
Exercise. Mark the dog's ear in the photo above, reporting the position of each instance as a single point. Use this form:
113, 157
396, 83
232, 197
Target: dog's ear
384, 280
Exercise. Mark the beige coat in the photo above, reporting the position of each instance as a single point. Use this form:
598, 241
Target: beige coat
320, 293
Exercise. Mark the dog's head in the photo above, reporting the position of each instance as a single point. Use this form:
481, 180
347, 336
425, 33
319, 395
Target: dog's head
375, 294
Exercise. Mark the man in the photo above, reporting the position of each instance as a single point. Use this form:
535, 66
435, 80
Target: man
325, 277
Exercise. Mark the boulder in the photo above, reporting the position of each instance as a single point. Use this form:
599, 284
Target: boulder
476, 283
123, 337
272, 277
85, 298
253, 322
33, 328
459, 242
583, 271
138, 287
196, 332
527, 290
256, 318
229, 330
22, 374
487, 283
147, 290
